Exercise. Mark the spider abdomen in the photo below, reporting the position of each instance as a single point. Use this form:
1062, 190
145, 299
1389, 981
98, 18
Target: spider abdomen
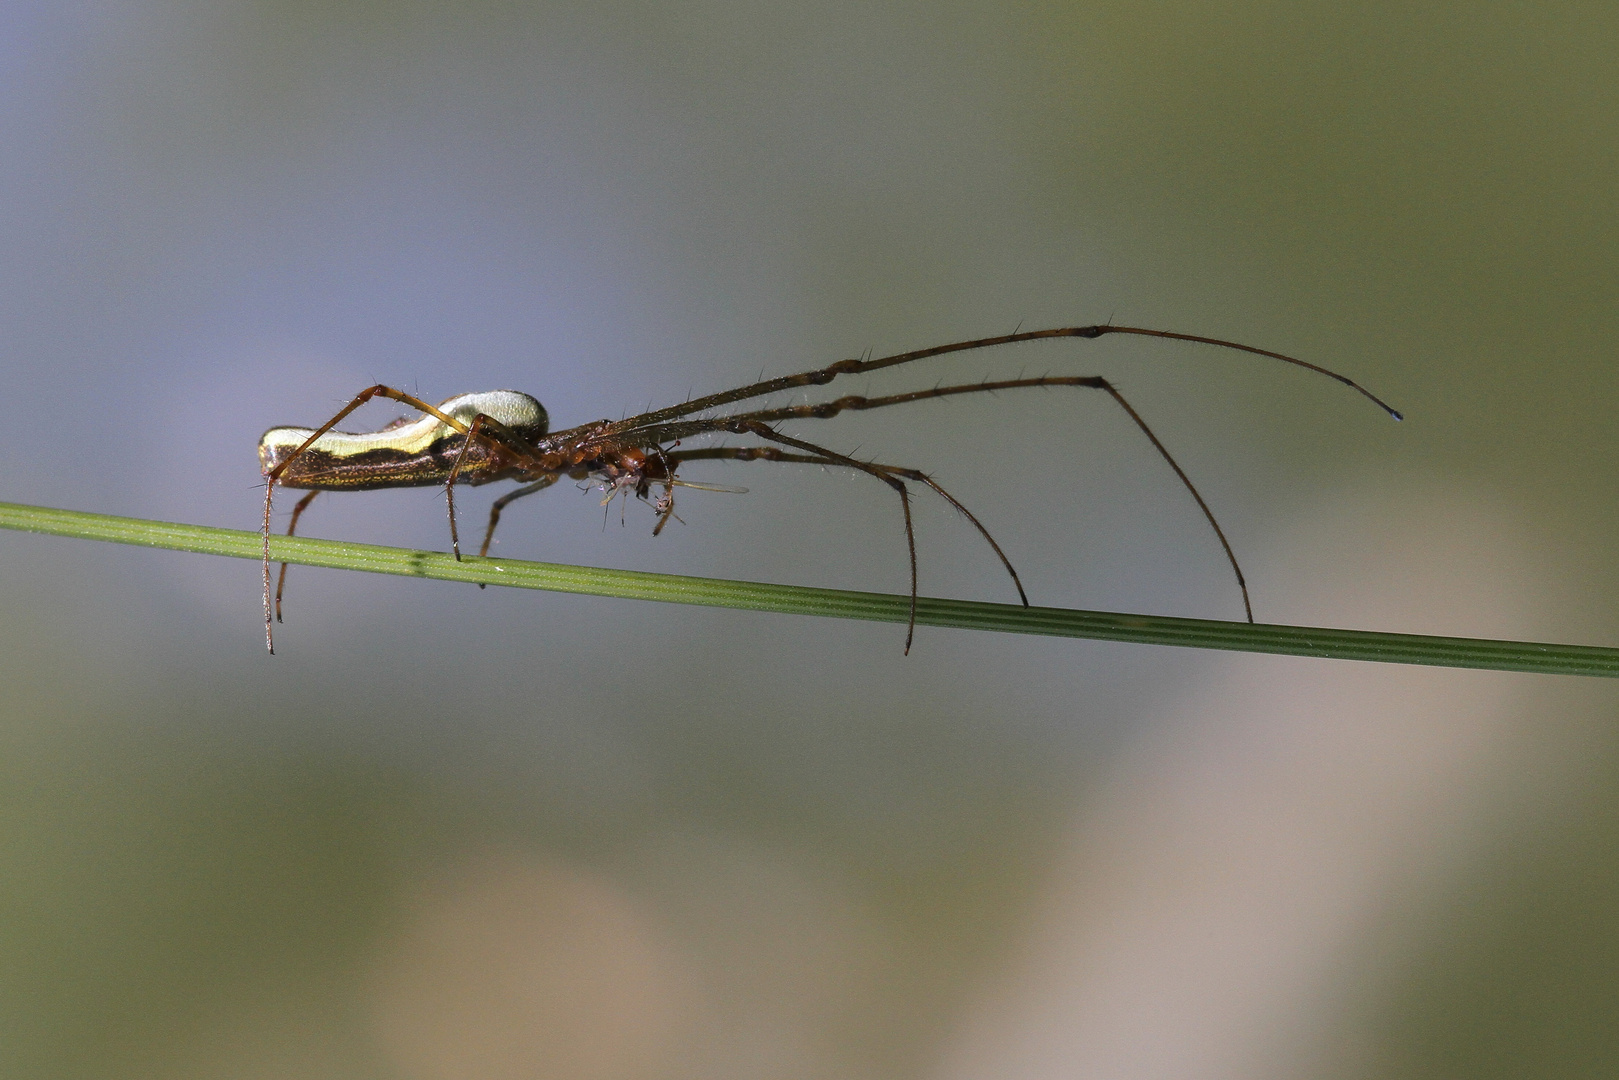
411, 453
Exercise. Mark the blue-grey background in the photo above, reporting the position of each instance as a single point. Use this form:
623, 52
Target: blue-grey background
825, 857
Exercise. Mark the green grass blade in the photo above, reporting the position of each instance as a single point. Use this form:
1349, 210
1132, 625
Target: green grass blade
837, 603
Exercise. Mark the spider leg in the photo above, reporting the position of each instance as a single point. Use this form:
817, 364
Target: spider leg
770, 453
274, 474
764, 431
1094, 382
923, 478
292, 527
1163, 452
491, 432
473, 433
825, 410
822, 376
504, 501
828, 409
746, 453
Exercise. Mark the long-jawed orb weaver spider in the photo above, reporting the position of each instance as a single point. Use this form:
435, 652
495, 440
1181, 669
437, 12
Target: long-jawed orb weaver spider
502, 435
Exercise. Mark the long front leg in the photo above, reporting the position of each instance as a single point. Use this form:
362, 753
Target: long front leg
822, 376
827, 409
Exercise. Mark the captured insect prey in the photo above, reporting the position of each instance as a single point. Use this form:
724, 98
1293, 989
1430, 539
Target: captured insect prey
503, 435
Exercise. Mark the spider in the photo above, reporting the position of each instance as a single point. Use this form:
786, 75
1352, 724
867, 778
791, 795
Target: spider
502, 435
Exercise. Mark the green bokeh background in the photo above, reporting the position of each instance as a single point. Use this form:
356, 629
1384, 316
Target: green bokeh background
219, 217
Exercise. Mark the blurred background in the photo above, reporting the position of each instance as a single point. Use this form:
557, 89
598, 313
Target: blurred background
448, 833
